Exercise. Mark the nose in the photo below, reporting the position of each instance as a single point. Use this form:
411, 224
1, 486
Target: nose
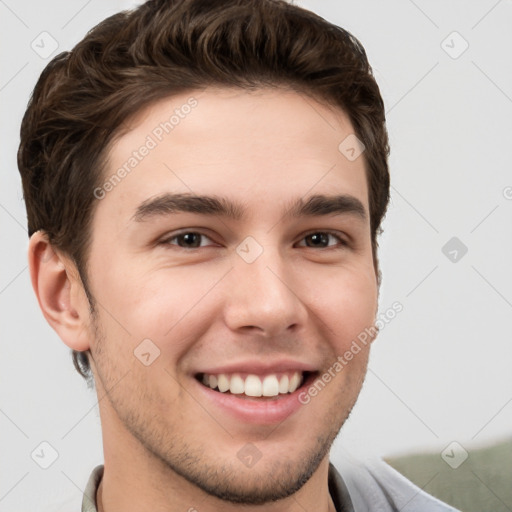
264, 296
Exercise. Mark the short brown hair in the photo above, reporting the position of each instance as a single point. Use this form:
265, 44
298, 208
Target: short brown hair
166, 47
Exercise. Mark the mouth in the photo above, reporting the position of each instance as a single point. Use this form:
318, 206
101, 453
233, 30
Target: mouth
256, 392
268, 387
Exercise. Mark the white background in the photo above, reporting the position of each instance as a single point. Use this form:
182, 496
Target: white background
440, 371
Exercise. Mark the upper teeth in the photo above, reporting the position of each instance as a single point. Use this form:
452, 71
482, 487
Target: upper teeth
253, 385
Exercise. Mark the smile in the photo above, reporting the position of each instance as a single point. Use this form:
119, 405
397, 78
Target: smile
270, 385
257, 397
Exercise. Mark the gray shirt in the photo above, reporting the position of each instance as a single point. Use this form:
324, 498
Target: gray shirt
375, 487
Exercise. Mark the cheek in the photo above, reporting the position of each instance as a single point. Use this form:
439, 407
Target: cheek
347, 305
170, 308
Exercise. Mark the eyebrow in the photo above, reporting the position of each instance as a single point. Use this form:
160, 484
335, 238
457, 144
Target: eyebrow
316, 205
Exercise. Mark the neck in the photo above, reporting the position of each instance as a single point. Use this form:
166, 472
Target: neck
99, 502
112, 496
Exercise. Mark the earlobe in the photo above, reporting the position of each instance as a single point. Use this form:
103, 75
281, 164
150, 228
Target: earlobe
59, 292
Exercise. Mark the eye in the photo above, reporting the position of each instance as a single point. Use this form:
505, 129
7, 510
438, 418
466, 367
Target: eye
186, 240
192, 240
320, 238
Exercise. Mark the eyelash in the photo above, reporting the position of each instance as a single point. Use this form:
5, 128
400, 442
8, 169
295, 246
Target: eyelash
167, 241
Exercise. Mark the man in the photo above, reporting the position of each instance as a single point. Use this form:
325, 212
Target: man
205, 183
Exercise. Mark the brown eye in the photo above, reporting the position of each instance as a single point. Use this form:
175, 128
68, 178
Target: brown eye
186, 240
321, 239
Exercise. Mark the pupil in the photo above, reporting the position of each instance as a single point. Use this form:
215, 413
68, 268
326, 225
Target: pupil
189, 238
318, 237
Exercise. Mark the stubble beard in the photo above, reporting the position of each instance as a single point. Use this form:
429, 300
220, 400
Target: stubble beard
280, 479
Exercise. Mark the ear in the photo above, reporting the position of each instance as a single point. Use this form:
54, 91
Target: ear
59, 291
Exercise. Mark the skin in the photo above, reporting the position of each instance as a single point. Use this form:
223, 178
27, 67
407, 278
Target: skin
167, 447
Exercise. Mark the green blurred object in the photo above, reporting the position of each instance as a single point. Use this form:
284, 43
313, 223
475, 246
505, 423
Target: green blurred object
481, 483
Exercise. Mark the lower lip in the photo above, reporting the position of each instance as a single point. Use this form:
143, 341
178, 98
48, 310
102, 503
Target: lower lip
265, 411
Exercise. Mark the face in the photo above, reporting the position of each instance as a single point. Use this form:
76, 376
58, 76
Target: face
203, 304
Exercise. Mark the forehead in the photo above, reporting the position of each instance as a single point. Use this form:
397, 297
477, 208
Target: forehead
264, 147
